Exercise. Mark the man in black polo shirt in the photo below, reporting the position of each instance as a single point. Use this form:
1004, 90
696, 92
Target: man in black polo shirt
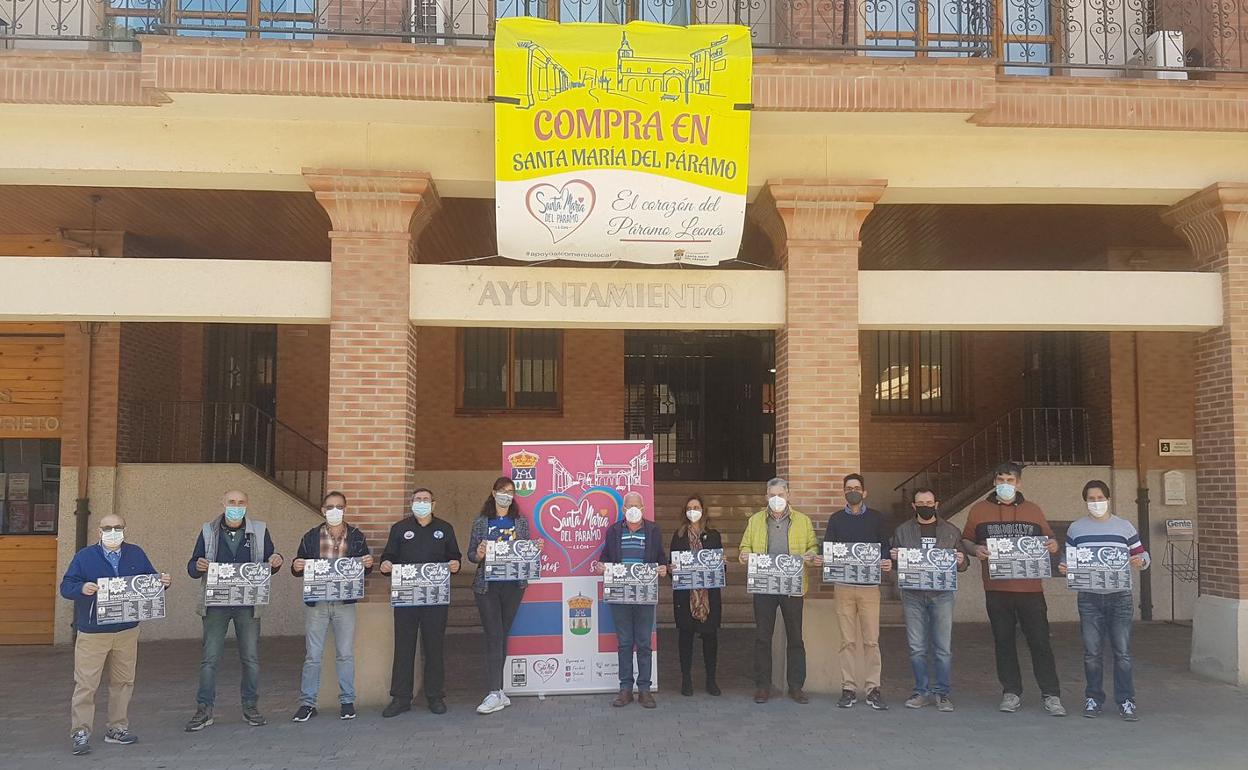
421, 539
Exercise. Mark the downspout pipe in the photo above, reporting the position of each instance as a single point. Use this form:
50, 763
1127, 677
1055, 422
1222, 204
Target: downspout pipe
82, 511
1141, 492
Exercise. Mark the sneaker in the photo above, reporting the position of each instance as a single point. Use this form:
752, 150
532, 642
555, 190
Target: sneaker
917, 701
203, 718
346, 711
1091, 709
944, 704
875, 700
1011, 703
252, 716
1128, 712
491, 704
437, 706
397, 706
848, 699
505, 699
120, 736
304, 713
81, 743
1053, 705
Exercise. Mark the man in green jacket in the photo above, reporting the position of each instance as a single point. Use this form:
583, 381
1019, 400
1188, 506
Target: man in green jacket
779, 529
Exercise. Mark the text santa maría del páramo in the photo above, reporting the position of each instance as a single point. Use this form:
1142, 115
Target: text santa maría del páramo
611, 157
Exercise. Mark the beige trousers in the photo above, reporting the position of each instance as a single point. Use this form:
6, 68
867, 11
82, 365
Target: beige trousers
858, 615
120, 652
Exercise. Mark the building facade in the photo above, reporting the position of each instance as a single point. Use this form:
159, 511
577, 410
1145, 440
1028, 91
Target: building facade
257, 250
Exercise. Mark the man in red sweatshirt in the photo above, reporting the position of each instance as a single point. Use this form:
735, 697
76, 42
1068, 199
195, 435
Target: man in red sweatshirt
1014, 603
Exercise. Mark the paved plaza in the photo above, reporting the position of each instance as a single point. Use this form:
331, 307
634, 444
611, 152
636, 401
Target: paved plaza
1187, 722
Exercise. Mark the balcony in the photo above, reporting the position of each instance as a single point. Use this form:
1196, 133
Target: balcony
1167, 39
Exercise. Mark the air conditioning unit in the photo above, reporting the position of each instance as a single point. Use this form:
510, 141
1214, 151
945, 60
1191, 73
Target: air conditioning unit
1163, 48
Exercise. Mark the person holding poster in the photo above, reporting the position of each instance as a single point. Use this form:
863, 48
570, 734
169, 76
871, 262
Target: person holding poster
779, 529
420, 539
1014, 603
634, 541
498, 601
114, 644
1105, 614
235, 539
335, 539
697, 611
858, 606
929, 614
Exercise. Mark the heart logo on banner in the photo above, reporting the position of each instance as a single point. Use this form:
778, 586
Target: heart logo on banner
1034, 546
255, 574
574, 528
867, 553
561, 210
546, 668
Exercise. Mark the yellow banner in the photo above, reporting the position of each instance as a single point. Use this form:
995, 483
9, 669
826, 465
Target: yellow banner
621, 142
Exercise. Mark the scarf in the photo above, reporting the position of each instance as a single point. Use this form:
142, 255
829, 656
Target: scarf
699, 600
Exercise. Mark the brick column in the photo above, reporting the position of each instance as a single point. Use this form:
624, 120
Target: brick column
1215, 224
813, 226
376, 217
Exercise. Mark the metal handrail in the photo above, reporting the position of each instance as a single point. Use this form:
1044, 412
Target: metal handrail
1026, 435
223, 432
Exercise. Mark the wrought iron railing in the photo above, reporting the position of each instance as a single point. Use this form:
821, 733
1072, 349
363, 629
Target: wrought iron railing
1161, 38
1029, 436
222, 432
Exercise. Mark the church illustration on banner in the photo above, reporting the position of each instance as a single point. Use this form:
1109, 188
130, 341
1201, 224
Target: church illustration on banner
675, 79
621, 477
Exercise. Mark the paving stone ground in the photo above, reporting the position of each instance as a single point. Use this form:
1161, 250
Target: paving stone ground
1187, 722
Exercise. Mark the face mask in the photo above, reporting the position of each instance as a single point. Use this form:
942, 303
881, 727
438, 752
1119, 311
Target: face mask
113, 538
777, 503
925, 512
1098, 508
502, 499
853, 498
423, 509
333, 517
693, 515
235, 512
1006, 492
633, 515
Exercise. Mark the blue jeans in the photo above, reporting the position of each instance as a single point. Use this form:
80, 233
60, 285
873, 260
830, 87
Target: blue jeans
1107, 617
247, 631
634, 625
929, 627
319, 617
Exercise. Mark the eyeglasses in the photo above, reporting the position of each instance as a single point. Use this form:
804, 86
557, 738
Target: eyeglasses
111, 529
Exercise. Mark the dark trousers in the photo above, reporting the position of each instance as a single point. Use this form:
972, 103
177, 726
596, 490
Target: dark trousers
430, 623
498, 607
710, 652
1007, 611
1106, 618
765, 606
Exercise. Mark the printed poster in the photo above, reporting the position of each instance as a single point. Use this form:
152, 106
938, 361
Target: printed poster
129, 599
630, 583
420, 585
563, 637
45, 517
237, 585
19, 486
513, 560
333, 580
19, 518
1019, 558
621, 142
780, 574
1101, 568
704, 569
855, 564
927, 569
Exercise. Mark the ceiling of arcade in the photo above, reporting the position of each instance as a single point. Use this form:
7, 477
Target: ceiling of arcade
203, 224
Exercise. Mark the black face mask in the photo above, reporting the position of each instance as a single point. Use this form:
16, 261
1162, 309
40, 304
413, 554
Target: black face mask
853, 498
926, 513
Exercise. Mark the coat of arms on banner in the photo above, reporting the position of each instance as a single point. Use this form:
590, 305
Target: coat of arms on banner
523, 472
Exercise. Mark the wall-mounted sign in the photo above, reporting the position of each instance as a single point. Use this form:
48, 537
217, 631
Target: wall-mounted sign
29, 426
621, 142
1180, 529
1174, 447
1175, 487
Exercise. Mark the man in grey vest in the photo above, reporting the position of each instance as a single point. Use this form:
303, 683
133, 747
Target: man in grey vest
230, 538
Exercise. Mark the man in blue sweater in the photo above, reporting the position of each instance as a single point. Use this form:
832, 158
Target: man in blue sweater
116, 644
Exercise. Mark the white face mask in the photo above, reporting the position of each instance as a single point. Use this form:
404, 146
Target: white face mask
333, 516
693, 515
113, 538
632, 515
1098, 508
777, 503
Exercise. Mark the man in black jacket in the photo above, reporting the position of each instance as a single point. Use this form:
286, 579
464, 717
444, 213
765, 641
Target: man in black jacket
634, 541
335, 539
421, 539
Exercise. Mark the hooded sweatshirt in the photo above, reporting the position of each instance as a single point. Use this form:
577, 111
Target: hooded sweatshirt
993, 518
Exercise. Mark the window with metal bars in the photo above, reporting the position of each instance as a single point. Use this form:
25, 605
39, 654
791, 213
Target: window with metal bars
920, 373
510, 369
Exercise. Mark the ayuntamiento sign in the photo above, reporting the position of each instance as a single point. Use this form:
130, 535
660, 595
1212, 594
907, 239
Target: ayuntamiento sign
621, 142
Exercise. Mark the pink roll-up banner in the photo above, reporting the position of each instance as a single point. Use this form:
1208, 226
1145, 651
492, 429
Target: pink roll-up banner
563, 638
